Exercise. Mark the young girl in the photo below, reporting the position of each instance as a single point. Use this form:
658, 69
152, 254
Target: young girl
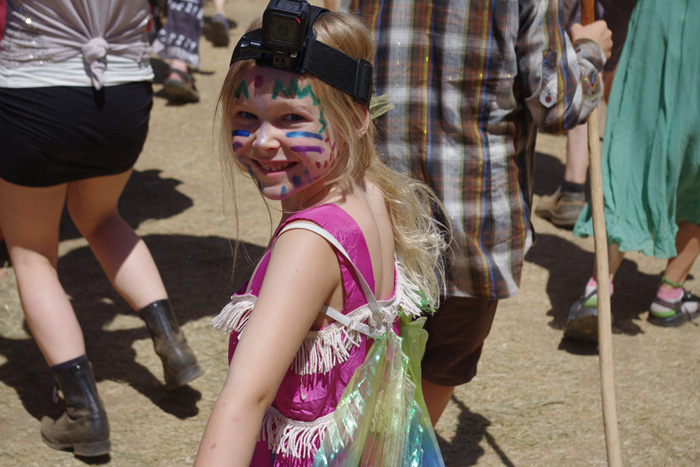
351, 230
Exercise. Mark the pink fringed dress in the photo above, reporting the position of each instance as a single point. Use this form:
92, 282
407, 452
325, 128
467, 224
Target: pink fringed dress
295, 423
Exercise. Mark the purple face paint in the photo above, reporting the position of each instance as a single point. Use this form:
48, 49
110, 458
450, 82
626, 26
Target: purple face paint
241, 133
317, 149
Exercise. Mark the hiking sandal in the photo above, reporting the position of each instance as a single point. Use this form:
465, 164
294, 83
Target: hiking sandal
674, 314
181, 90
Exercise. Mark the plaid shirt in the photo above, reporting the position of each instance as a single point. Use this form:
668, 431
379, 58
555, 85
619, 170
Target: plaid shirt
471, 81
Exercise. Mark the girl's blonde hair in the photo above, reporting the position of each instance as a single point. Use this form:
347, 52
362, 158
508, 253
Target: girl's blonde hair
419, 240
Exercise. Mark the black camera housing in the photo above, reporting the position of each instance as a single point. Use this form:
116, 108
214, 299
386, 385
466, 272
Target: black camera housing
285, 24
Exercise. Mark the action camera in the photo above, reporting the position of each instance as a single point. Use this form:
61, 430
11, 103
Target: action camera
285, 24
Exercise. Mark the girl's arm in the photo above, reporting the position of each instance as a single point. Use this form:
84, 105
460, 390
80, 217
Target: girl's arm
302, 274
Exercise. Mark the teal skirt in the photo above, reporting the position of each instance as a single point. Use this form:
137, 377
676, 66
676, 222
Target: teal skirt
651, 148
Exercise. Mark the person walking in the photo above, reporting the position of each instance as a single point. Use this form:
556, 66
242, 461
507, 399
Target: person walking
75, 99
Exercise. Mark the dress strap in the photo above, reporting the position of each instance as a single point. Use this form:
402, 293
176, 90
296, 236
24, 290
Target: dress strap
378, 327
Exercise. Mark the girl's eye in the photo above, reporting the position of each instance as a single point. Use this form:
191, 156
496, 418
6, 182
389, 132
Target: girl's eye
247, 115
294, 118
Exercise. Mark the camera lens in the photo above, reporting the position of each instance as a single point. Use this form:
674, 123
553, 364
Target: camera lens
281, 31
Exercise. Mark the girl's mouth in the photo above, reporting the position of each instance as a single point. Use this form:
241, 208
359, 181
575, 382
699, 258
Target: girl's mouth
272, 167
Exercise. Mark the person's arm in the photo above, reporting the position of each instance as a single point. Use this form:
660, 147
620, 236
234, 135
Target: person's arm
561, 83
302, 274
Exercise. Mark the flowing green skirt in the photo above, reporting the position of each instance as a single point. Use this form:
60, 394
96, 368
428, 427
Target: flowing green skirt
651, 149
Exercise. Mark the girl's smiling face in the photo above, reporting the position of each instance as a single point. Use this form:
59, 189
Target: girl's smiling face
280, 136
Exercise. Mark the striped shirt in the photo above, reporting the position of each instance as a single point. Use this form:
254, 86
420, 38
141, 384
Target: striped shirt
471, 81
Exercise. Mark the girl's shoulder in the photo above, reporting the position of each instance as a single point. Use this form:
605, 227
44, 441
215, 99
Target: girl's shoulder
340, 224
330, 217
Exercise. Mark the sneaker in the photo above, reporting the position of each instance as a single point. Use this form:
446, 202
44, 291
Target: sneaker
561, 208
219, 28
582, 323
674, 314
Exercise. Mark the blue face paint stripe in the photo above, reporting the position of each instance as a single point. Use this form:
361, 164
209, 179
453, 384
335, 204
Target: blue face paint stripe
240, 133
296, 181
303, 134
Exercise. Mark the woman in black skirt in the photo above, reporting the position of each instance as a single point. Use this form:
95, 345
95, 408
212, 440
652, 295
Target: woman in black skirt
75, 98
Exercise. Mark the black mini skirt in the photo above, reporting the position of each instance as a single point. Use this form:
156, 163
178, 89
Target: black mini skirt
54, 135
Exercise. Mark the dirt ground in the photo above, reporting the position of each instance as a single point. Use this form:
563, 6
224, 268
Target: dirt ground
535, 402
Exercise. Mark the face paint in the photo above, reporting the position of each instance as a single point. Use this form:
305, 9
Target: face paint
238, 144
304, 134
280, 135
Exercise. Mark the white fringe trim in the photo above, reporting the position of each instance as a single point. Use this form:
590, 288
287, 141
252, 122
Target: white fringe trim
234, 316
409, 299
293, 438
322, 350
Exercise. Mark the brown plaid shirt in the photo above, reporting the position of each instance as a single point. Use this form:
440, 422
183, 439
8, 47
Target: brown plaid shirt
471, 81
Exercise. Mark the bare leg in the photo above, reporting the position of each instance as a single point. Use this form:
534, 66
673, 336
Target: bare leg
688, 248
92, 204
178, 64
219, 6
436, 399
577, 155
30, 218
608, 78
615, 257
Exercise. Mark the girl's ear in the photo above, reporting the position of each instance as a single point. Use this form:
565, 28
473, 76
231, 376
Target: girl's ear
363, 124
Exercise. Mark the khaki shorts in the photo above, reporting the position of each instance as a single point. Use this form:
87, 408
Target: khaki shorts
455, 338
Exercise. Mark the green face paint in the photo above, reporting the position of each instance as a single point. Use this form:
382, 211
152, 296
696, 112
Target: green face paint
241, 89
292, 90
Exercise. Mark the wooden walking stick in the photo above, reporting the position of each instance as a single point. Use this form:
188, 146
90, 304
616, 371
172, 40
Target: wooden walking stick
607, 386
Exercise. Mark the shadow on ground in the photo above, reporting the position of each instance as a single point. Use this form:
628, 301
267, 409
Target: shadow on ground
464, 448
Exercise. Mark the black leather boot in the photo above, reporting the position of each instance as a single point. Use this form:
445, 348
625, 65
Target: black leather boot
179, 362
83, 426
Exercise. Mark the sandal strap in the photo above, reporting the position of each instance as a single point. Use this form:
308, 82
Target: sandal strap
678, 305
186, 77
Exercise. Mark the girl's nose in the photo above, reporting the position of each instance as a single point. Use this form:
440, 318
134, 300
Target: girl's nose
265, 137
